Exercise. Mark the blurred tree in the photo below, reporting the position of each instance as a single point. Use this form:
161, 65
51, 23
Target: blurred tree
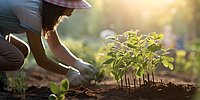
195, 14
87, 22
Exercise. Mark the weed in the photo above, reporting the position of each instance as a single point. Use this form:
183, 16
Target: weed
18, 83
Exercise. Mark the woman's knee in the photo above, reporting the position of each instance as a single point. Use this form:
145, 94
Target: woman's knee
11, 58
18, 63
20, 44
13, 61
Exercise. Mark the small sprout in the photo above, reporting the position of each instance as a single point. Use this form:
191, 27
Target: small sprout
59, 91
99, 76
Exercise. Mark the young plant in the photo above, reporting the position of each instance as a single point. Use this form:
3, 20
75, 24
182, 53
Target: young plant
99, 76
136, 52
18, 83
59, 91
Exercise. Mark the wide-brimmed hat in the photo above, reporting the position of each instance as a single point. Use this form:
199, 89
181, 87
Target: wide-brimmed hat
77, 4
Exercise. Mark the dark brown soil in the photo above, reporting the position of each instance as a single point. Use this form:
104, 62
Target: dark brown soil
38, 90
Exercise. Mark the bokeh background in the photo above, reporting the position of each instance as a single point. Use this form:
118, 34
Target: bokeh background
179, 20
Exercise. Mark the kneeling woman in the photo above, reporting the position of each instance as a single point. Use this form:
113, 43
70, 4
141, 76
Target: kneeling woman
39, 18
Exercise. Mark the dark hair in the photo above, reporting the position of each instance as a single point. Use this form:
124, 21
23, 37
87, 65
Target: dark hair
50, 15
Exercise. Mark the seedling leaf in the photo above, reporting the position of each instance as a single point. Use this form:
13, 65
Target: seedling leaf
168, 64
61, 97
54, 88
154, 47
109, 61
100, 75
64, 85
112, 54
171, 67
131, 46
140, 71
170, 59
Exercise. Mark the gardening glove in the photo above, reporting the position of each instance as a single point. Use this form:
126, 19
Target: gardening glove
75, 78
87, 70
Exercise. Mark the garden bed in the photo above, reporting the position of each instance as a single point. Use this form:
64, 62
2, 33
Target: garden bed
38, 90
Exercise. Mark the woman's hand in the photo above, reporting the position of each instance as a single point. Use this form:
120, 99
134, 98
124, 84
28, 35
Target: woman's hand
86, 69
75, 78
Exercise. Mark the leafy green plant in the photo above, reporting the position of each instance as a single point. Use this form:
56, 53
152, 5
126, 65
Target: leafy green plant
18, 83
136, 52
59, 91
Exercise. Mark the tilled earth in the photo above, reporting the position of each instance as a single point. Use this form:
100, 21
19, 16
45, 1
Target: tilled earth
38, 90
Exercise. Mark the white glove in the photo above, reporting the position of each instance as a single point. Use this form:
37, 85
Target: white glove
74, 77
87, 70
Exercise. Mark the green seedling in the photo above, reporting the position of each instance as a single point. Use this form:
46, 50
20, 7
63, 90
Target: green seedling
18, 83
137, 53
59, 91
99, 76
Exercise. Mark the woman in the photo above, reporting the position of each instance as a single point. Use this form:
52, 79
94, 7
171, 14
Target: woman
39, 18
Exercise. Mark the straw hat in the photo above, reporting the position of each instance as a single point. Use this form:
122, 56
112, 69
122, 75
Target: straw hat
77, 4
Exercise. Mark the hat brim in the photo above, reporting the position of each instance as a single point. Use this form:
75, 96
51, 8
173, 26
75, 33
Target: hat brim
77, 4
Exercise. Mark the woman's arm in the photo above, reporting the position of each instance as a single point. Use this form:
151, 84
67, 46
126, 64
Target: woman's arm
59, 50
40, 56
87, 70
37, 49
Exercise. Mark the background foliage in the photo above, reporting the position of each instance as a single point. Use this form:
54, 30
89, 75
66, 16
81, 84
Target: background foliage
81, 32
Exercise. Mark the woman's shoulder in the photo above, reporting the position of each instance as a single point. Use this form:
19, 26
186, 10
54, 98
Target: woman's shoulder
28, 13
27, 3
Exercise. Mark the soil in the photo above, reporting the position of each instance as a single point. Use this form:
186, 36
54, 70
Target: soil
38, 81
